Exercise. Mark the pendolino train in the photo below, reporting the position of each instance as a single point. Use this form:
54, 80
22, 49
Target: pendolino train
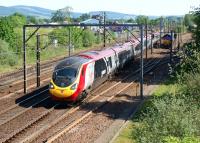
75, 76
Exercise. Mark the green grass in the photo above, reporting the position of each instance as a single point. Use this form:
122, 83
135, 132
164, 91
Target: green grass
125, 135
166, 88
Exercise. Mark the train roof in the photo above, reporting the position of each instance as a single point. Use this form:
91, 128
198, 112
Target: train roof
74, 62
95, 55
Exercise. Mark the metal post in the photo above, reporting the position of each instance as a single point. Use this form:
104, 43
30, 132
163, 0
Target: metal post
141, 62
178, 38
69, 50
104, 29
38, 60
24, 58
151, 41
146, 37
127, 35
171, 47
160, 30
163, 26
168, 26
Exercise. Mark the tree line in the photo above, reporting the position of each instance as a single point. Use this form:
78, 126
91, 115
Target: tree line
11, 28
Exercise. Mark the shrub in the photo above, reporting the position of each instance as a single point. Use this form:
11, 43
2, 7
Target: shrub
98, 38
7, 57
88, 38
171, 116
62, 35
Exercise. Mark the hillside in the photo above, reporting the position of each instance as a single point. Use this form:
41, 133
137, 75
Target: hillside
46, 13
26, 10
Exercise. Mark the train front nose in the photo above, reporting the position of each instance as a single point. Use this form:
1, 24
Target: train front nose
59, 92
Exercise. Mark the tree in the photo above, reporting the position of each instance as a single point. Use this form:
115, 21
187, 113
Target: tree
7, 31
17, 20
196, 32
62, 14
188, 21
141, 19
88, 38
84, 16
47, 20
32, 19
131, 20
67, 12
154, 22
62, 35
7, 56
10, 30
58, 16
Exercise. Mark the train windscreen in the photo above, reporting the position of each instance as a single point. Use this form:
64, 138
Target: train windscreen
64, 77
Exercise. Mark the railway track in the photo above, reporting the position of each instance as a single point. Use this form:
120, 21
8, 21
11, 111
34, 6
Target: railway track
104, 101
40, 113
13, 89
44, 114
8, 100
7, 79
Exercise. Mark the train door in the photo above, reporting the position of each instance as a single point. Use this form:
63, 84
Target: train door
89, 75
100, 68
137, 49
132, 51
123, 56
115, 60
110, 64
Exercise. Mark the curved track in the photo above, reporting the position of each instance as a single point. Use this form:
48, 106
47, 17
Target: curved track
44, 113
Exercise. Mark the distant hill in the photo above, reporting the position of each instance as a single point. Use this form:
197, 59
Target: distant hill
114, 15
26, 10
47, 13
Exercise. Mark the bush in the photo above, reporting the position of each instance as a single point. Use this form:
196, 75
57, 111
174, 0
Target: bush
98, 39
77, 37
7, 57
171, 116
7, 31
62, 35
88, 38
175, 118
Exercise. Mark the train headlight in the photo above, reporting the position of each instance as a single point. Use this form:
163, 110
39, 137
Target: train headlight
74, 86
51, 86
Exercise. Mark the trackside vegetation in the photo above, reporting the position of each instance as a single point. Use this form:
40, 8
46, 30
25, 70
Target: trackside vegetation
172, 115
54, 42
11, 41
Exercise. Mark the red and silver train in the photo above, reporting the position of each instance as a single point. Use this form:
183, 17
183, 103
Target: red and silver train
75, 76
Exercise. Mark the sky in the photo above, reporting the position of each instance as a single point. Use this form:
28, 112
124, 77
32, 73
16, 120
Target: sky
139, 7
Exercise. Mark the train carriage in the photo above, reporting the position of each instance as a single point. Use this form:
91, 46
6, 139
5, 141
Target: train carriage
75, 76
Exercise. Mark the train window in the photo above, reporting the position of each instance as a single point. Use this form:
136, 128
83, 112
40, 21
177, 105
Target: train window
122, 57
100, 66
64, 77
128, 53
137, 48
110, 61
145, 42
